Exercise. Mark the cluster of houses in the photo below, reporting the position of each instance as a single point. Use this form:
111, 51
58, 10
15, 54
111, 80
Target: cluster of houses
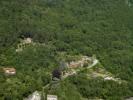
84, 61
68, 68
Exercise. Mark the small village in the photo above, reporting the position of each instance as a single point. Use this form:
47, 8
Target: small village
66, 49
65, 69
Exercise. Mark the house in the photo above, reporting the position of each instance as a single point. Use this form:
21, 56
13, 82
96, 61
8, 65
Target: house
9, 71
52, 97
27, 40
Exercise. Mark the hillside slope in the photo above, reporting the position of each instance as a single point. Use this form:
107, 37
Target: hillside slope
86, 27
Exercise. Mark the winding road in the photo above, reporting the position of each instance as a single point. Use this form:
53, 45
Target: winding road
36, 96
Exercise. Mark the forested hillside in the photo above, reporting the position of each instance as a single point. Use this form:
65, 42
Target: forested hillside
87, 27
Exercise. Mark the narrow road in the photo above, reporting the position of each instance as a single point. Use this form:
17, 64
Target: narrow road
37, 97
95, 62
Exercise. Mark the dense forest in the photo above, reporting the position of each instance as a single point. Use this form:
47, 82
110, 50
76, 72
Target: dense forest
87, 27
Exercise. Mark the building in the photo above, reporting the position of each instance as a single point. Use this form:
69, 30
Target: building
52, 97
27, 40
80, 63
9, 71
34, 96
